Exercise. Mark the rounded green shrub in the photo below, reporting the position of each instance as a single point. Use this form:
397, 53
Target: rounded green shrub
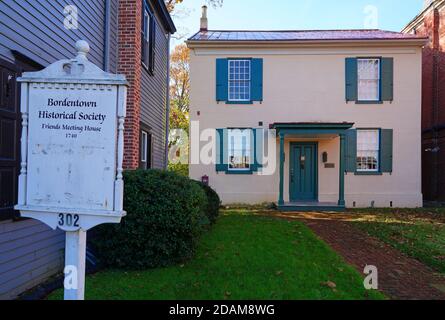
165, 217
213, 203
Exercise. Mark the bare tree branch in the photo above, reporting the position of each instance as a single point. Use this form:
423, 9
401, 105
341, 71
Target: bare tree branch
171, 4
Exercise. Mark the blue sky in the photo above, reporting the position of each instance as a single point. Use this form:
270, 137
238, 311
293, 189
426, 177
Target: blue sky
297, 14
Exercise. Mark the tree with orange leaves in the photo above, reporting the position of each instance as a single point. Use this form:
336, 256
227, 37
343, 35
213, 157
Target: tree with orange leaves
179, 105
180, 78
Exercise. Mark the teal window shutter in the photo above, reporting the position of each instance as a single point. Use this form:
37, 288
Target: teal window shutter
221, 150
257, 149
386, 150
256, 82
387, 85
351, 151
351, 79
222, 79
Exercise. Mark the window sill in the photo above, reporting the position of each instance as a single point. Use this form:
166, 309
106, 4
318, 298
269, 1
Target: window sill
370, 173
369, 102
230, 172
239, 102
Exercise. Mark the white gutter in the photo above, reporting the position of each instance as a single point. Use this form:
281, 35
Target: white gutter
420, 41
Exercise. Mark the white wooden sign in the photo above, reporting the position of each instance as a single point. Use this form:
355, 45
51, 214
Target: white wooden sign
71, 172
72, 152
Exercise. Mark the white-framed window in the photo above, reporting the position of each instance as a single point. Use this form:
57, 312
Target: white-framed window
368, 150
239, 80
239, 152
146, 25
144, 146
368, 79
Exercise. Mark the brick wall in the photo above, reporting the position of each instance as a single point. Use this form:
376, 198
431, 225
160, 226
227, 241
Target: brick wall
130, 20
433, 104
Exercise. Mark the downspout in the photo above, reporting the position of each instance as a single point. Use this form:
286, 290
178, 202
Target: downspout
167, 119
107, 35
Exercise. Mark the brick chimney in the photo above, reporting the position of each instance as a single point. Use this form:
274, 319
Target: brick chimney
130, 21
204, 20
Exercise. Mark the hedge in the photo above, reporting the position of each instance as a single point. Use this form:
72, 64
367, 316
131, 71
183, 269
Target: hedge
213, 203
166, 214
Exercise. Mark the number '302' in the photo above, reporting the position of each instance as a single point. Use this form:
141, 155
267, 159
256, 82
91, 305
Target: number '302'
68, 220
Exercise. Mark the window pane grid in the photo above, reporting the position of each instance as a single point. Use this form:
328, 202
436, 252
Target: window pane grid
368, 79
368, 150
239, 80
239, 149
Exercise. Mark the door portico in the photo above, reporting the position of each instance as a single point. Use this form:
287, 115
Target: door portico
308, 132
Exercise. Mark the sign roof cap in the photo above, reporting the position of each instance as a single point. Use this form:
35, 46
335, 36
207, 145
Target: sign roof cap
74, 71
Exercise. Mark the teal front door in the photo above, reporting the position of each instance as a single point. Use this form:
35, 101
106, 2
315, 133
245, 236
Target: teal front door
303, 172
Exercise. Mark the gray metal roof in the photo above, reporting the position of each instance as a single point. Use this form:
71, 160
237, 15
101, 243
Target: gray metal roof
302, 35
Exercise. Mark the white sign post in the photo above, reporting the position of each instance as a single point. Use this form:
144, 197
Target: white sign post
72, 152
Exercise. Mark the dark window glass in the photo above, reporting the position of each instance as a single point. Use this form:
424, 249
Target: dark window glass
148, 36
145, 38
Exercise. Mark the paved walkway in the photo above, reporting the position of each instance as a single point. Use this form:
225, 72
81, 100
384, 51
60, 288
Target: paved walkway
400, 277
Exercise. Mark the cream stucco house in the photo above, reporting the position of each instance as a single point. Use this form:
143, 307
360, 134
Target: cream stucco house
308, 119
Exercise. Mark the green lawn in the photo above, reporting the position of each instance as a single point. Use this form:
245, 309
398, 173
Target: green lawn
242, 257
419, 233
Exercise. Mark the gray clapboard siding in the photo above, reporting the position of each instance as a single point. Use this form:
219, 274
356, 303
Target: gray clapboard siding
29, 239
38, 271
13, 276
44, 251
8, 227
35, 28
32, 254
31, 282
114, 35
29, 251
8, 237
154, 97
52, 243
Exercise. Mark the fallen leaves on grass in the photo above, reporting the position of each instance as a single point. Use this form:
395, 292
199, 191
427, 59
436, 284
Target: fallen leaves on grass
329, 284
